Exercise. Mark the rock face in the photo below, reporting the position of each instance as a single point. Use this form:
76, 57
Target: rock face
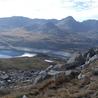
90, 53
42, 75
76, 60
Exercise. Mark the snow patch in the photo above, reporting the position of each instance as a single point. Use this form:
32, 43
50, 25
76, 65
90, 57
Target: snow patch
49, 61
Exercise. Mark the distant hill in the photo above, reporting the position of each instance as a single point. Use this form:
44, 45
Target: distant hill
66, 33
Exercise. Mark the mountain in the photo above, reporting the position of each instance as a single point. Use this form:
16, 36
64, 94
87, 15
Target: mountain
66, 33
13, 22
69, 23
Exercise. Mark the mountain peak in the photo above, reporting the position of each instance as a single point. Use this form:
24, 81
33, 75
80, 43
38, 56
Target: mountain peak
69, 19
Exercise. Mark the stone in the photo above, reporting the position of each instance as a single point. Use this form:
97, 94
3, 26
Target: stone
76, 60
24, 96
4, 76
95, 57
49, 61
68, 72
54, 72
49, 68
95, 71
90, 53
40, 77
81, 76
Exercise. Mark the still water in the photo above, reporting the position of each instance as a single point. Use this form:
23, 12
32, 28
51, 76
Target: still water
14, 53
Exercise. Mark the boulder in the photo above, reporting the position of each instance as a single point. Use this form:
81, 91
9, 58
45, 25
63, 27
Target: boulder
42, 75
4, 76
90, 53
95, 57
95, 71
68, 72
76, 60
24, 96
72, 73
81, 76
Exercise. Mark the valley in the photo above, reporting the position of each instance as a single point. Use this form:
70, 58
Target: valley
66, 34
48, 58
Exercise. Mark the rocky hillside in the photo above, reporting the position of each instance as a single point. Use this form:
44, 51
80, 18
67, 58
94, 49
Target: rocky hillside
79, 80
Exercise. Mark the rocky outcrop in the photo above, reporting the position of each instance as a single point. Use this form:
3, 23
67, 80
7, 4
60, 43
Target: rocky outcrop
72, 68
76, 60
90, 53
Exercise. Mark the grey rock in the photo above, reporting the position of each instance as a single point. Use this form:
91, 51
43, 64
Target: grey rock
95, 71
24, 96
95, 57
4, 76
76, 60
68, 73
90, 53
54, 72
81, 76
40, 77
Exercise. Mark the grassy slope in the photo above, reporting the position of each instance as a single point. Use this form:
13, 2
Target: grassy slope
26, 63
23, 63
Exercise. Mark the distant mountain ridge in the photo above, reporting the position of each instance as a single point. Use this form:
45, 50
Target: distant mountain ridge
54, 33
68, 23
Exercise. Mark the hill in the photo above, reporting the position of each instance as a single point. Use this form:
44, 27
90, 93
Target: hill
51, 34
56, 81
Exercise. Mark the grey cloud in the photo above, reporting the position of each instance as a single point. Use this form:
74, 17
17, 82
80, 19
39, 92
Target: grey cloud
82, 5
79, 4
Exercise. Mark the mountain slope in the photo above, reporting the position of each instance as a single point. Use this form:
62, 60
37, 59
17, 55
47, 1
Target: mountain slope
48, 33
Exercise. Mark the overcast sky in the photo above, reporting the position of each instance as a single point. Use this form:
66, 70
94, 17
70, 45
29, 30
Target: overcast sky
79, 9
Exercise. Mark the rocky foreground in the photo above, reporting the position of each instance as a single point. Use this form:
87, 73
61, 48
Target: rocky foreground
77, 78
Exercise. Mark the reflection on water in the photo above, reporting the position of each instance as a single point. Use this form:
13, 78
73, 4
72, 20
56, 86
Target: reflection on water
27, 55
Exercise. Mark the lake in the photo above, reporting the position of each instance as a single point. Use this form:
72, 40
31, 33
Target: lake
14, 53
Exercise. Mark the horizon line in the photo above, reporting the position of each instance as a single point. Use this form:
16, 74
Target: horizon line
50, 18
